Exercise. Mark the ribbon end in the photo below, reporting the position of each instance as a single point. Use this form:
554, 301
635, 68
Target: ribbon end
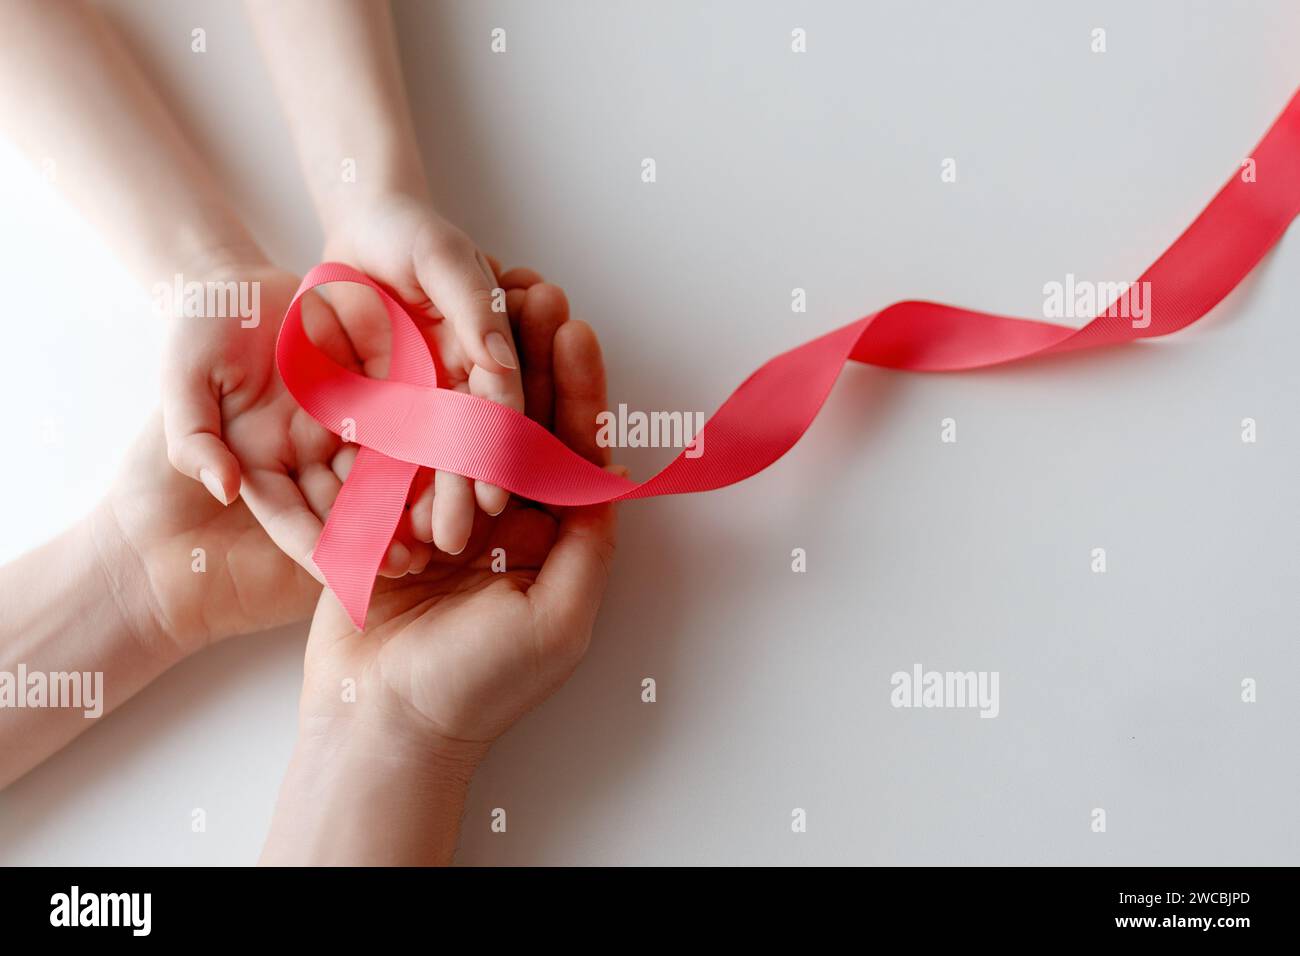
358, 617
352, 591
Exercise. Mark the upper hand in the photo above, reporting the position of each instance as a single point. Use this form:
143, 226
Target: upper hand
401, 242
232, 424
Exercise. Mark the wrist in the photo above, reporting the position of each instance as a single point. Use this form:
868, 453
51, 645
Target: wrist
346, 709
345, 210
366, 790
226, 259
127, 588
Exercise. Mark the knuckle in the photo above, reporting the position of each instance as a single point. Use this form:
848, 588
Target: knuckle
480, 302
174, 453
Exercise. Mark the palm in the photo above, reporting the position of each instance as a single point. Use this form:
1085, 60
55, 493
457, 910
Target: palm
290, 472
237, 582
460, 639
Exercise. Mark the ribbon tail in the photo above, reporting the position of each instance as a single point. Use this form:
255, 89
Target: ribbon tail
360, 526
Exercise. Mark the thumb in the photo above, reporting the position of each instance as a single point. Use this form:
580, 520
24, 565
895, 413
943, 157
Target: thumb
572, 580
192, 424
458, 280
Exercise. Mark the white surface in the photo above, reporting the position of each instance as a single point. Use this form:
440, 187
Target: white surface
778, 170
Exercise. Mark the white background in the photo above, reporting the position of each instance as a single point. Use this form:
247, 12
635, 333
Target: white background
779, 170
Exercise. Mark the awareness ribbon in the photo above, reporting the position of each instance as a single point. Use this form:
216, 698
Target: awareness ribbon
406, 420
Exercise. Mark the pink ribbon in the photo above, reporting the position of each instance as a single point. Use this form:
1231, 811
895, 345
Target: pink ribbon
407, 420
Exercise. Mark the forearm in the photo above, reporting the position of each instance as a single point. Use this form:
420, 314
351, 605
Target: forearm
363, 794
335, 67
77, 606
71, 95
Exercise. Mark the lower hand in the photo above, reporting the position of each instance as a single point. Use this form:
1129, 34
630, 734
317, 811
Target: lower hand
394, 721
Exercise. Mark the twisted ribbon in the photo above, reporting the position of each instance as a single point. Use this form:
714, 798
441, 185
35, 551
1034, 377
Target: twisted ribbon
407, 420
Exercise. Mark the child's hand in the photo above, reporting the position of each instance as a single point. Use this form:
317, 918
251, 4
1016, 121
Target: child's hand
231, 424
457, 654
437, 271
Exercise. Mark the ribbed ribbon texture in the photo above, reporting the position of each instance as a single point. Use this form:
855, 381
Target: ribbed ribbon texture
407, 420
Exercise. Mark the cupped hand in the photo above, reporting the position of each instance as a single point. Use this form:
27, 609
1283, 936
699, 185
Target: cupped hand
231, 424
460, 652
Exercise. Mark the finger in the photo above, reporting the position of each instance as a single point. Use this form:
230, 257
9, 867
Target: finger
572, 580
421, 513
544, 309
397, 559
504, 390
579, 389
192, 424
514, 308
343, 460
453, 511
320, 486
326, 332
519, 278
279, 507
419, 553
460, 283
492, 498
363, 318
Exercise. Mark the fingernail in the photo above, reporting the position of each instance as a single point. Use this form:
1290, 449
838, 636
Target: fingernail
621, 470
499, 349
213, 484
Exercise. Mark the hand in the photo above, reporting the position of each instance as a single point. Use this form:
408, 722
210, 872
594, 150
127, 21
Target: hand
454, 656
439, 273
457, 654
231, 423
237, 583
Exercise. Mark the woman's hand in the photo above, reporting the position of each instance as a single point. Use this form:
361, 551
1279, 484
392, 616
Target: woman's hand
472, 643
156, 571
395, 719
202, 571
